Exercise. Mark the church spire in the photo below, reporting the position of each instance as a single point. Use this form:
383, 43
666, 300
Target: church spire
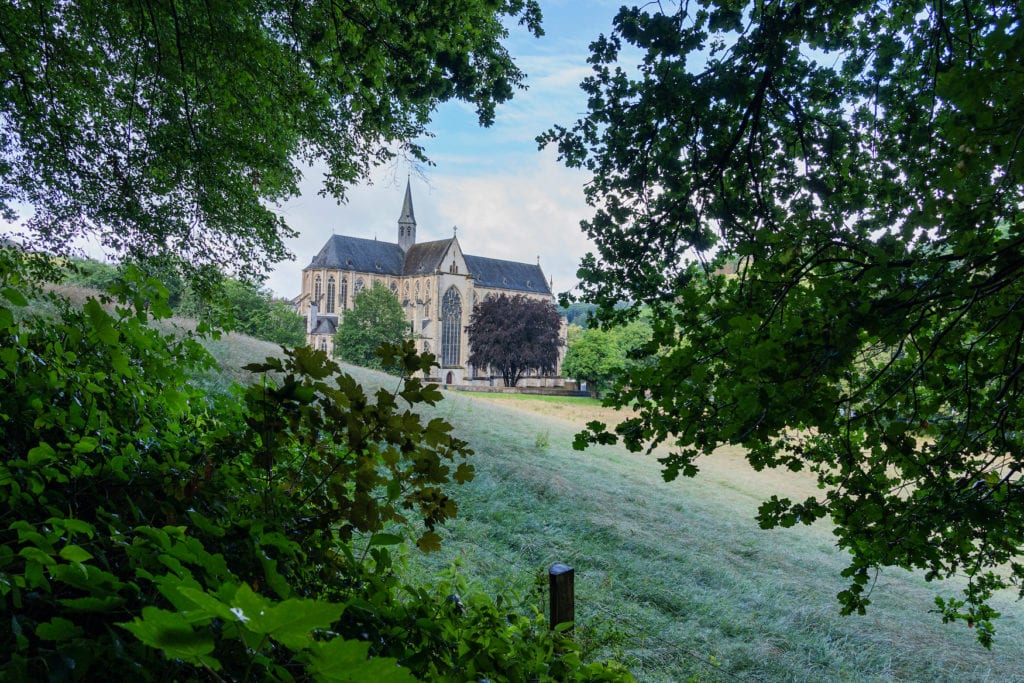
407, 221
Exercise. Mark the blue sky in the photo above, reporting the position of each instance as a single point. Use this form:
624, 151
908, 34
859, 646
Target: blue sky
508, 199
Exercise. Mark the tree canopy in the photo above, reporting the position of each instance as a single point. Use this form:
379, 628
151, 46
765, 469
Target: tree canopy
602, 356
169, 126
244, 307
515, 335
861, 163
376, 318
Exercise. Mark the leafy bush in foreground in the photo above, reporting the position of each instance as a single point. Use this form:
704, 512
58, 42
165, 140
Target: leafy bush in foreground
152, 532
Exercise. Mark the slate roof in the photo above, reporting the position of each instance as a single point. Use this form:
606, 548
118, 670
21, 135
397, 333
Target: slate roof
407, 214
325, 325
356, 253
492, 272
425, 257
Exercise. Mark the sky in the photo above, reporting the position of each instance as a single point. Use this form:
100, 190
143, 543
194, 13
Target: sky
508, 199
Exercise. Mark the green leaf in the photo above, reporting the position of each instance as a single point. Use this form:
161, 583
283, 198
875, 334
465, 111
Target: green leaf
171, 633
290, 622
58, 629
208, 605
385, 539
345, 661
41, 453
75, 553
14, 296
87, 444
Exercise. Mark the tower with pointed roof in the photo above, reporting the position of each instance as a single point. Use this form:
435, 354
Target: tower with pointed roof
407, 222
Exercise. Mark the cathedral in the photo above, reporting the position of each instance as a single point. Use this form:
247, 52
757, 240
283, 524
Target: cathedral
436, 283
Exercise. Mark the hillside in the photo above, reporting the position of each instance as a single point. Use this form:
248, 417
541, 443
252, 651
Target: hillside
676, 578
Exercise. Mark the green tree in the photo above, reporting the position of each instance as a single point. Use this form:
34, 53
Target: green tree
246, 308
861, 162
174, 126
577, 313
602, 356
376, 318
515, 335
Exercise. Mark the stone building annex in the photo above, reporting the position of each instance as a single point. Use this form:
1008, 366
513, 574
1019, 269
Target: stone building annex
436, 283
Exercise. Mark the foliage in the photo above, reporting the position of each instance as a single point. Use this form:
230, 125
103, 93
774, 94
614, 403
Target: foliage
861, 164
376, 318
577, 313
246, 308
602, 356
153, 532
515, 335
90, 273
171, 127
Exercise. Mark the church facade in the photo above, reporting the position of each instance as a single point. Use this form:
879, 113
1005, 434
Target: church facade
436, 283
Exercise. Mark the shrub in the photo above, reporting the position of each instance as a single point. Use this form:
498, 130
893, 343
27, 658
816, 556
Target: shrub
154, 532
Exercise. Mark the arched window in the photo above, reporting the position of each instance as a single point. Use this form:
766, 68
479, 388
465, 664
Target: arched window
317, 291
358, 288
329, 305
451, 327
394, 289
323, 345
344, 294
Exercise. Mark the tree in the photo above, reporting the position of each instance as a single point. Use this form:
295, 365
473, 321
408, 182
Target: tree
376, 318
246, 308
172, 126
515, 335
577, 313
861, 163
602, 356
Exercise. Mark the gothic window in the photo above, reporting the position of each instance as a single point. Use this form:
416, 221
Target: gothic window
344, 293
317, 290
451, 327
394, 289
406, 289
426, 347
417, 289
329, 305
453, 268
358, 287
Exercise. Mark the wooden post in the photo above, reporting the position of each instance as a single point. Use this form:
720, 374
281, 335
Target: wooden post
563, 598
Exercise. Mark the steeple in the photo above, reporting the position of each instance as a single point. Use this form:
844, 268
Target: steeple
407, 221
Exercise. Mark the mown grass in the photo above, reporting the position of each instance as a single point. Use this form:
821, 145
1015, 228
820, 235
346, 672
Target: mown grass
676, 579
537, 398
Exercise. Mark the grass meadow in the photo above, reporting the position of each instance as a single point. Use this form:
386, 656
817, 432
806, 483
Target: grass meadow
676, 579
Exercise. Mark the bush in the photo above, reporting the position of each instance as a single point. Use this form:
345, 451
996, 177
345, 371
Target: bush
154, 532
